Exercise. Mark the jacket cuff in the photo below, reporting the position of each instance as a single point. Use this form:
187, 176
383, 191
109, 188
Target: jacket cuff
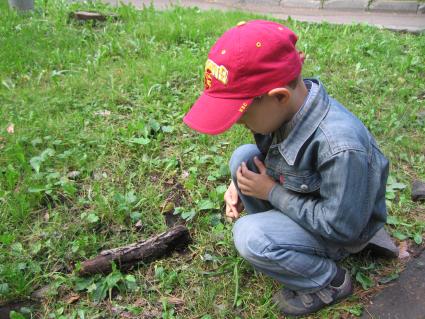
277, 196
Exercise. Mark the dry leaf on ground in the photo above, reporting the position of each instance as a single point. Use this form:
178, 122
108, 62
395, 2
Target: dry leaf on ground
72, 298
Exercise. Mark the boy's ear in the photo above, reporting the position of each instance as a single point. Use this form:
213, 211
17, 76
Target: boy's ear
282, 94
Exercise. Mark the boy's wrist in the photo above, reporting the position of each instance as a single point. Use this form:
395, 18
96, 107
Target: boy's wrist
270, 188
275, 194
269, 197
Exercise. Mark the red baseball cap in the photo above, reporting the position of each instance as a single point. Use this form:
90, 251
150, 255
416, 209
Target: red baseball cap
247, 61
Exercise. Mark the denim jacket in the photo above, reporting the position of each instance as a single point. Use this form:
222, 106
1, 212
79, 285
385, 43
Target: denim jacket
331, 174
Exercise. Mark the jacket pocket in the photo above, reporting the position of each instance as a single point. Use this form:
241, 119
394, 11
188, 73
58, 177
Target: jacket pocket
305, 182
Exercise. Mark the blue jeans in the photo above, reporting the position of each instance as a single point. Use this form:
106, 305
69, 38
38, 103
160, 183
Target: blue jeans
276, 245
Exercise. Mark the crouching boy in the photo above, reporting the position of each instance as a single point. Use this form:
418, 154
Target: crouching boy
313, 184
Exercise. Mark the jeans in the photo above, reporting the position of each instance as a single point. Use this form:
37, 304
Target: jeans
275, 244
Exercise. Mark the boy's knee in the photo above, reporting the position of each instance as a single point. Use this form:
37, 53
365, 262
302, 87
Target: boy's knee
249, 237
242, 154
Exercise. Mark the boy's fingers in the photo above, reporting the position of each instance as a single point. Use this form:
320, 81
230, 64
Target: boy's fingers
232, 194
238, 171
239, 175
244, 169
232, 208
244, 182
234, 197
231, 213
228, 197
246, 190
246, 172
260, 165
231, 202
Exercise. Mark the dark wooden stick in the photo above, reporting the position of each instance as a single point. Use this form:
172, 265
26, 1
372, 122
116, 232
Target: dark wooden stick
145, 251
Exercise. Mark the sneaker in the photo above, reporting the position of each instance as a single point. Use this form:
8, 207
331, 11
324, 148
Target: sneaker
293, 303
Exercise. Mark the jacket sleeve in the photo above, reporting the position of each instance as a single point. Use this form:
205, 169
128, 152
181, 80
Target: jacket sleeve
340, 213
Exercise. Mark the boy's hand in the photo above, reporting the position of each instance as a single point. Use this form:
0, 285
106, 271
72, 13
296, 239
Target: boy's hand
234, 205
253, 184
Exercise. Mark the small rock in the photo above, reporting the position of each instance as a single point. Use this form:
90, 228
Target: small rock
97, 176
418, 190
139, 226
185, 174
41, 293
73, 174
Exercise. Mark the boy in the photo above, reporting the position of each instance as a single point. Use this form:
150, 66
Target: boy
313, 186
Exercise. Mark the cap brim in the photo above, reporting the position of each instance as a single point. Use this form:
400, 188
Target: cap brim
213, 116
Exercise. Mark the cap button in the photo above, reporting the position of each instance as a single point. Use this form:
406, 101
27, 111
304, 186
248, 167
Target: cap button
241, 23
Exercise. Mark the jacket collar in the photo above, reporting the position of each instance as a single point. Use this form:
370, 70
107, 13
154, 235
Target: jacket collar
308, 119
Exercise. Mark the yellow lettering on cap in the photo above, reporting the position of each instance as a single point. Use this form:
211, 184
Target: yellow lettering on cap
243, 107
219, 72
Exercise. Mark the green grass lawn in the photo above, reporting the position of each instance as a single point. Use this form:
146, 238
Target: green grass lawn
99, 145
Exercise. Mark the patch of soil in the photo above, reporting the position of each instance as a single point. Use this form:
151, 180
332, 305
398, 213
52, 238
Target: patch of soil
176, 194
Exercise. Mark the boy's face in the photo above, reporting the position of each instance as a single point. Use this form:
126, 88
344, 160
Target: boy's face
267, 113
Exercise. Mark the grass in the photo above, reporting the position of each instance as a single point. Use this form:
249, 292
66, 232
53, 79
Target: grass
99, 145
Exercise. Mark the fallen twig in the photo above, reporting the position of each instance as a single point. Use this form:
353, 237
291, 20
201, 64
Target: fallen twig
145, 251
